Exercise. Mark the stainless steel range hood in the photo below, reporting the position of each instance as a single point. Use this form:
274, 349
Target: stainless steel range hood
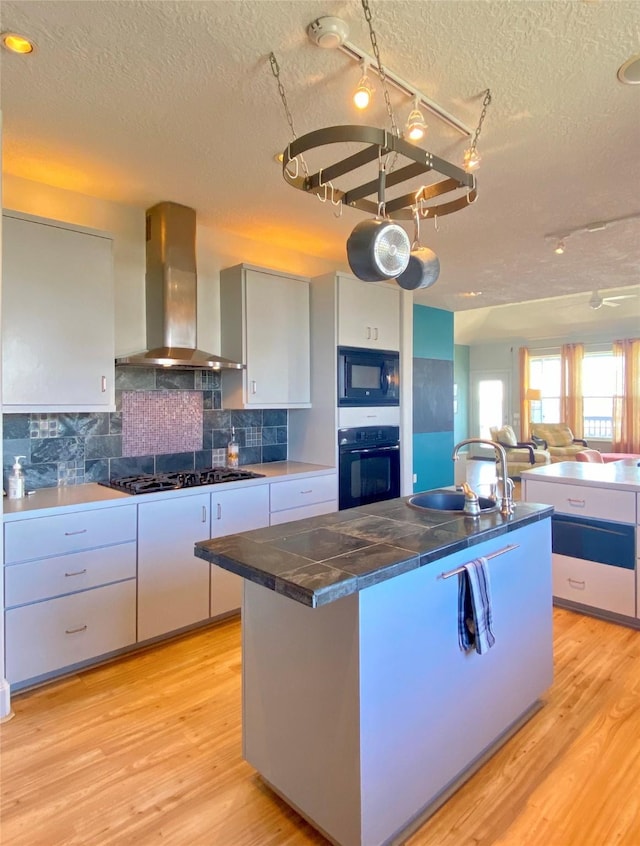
171, 293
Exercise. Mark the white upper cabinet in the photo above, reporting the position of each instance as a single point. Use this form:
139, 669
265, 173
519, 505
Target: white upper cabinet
368, 314
57, 317
264, 320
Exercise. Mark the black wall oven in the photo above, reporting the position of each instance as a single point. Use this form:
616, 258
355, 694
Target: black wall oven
368, 377
368, 465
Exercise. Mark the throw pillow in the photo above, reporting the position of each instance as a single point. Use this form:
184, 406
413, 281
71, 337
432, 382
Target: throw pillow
507, 436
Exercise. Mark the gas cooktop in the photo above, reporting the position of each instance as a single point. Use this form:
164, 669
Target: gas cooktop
151, 483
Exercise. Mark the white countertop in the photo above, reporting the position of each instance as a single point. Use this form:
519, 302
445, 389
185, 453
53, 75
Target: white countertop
621, 475
51, 501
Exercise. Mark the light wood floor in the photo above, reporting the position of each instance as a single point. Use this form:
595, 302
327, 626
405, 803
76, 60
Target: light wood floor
147, 750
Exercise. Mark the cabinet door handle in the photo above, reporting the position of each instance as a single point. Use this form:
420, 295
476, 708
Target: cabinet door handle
254, 386
219, 517
79, 532
375, 333
104, 384
77, 573
307, 492
204, 513
75, 631
368, 333
579, 584
576, 503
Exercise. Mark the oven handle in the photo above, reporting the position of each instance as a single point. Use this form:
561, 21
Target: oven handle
363, 451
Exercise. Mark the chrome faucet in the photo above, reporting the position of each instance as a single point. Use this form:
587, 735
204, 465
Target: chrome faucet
506, 500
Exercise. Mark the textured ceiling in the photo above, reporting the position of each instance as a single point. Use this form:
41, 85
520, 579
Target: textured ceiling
138, 102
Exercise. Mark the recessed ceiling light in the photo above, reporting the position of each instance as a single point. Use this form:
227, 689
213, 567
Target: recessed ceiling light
471, 293
629, 72
16, 43
279, 157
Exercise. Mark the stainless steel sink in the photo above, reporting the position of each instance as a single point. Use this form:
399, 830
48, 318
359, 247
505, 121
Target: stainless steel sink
450, 501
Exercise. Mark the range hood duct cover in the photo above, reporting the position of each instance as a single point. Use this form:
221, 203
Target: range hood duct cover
171, 294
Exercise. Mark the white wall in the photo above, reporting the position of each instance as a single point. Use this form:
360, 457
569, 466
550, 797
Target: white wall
215, 250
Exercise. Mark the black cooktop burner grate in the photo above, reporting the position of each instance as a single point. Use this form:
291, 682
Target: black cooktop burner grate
152, 483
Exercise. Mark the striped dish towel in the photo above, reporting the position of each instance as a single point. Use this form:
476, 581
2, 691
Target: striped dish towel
474, 607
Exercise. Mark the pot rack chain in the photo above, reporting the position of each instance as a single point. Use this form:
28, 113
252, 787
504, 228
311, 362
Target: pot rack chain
275, 70
381, 71
476, 135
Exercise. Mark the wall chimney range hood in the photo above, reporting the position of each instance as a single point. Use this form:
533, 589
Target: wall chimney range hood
171, 294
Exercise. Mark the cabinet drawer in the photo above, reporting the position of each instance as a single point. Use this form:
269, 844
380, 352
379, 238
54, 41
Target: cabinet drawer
41, 537
599, 585
278, 517
296, 492
50, 635
64, 574
607, 504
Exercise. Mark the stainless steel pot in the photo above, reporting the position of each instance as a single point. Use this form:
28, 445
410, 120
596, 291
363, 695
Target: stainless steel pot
378, 250
422, 270
423, 267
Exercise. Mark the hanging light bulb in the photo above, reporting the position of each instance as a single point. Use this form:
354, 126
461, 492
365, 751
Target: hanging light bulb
559, 250
471, 159
416, 126
364, 91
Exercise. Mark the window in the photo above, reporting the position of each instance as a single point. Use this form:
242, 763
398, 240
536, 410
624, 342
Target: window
544, 373
598, 386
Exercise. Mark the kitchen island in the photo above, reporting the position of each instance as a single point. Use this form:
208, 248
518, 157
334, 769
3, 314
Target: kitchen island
359, 707
595, 542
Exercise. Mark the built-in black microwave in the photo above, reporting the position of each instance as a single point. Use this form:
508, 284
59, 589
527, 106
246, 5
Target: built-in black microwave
368, 377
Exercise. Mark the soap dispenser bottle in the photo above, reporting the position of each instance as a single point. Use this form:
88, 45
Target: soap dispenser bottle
232, 450
16, 480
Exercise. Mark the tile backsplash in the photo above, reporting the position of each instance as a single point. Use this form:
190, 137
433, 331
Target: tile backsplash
71, 448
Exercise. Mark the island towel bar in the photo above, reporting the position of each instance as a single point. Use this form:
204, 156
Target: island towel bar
487, 557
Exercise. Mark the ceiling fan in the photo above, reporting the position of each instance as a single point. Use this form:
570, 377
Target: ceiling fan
597, 300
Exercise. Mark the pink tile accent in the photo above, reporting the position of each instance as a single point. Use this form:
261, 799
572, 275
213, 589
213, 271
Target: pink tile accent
160, 422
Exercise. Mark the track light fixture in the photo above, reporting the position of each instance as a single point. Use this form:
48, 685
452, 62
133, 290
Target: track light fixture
364, 91
416, 126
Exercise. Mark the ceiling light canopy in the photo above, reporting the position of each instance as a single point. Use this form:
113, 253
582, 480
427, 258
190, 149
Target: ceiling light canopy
328, 32
629, 72
16, 43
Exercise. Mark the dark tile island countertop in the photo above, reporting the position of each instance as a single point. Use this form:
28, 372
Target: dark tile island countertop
320, 559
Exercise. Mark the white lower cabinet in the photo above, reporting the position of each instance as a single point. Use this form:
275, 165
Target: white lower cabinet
598, 585
295, 499
70, 589
173, 585
48, 636
231, 512
582, 578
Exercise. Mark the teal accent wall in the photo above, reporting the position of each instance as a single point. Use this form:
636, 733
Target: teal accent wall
432, 333
461, 359
433, 418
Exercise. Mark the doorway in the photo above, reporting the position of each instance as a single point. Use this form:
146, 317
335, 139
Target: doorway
490, 401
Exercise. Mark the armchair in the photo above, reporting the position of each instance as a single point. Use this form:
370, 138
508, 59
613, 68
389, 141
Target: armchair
521, 455
558, 439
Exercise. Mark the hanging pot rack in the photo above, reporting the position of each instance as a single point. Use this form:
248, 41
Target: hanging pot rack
380, 143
